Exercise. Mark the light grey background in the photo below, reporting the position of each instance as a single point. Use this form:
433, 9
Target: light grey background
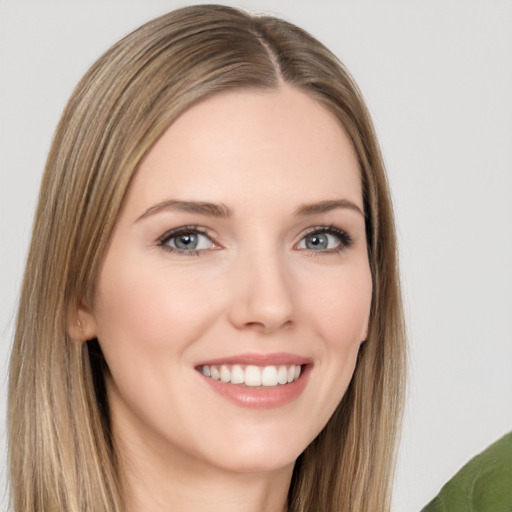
437, 76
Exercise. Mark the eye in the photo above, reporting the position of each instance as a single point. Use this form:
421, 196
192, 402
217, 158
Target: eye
325, 239
186, 240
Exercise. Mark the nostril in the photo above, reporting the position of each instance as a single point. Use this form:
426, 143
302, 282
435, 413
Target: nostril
267, 326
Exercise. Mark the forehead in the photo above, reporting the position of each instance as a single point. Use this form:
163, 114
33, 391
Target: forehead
277, 144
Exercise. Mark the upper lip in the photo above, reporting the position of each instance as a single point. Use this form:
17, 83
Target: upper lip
256, 359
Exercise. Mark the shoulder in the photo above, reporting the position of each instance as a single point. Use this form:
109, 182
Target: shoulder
484, 484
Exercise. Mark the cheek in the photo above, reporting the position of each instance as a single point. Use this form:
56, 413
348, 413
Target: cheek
341, 310
146, 311
147, 320
339, 314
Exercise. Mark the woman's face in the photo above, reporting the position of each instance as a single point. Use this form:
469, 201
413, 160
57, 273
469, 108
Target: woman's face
239, 254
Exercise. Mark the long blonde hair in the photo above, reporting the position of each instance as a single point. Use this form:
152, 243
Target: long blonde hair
61, 454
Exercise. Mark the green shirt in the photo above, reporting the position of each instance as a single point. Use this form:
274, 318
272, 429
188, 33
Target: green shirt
484, 484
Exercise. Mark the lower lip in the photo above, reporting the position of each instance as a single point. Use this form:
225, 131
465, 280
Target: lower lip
261, 397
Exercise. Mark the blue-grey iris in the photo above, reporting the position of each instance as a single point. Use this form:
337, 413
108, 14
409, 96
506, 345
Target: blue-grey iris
186, 241
317, 241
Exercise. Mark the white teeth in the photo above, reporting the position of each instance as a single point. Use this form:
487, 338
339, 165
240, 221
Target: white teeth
214, 372
269, 376
282, 375
237, 374
225, 374
253, 376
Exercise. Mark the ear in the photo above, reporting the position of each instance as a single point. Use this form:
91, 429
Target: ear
364, 332
81, 323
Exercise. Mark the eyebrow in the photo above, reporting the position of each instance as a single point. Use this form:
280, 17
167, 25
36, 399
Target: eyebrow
327, 206
220, 210
199, 207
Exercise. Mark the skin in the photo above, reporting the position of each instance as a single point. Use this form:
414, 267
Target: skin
253, 287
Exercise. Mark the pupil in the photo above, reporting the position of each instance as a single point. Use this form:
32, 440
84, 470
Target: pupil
188, 241
316, 242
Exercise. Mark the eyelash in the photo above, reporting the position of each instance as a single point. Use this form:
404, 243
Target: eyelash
345, 240
175, 233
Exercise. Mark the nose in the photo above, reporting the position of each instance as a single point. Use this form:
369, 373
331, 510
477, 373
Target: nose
263, 296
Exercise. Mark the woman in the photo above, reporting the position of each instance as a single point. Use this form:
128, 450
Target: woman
222, 326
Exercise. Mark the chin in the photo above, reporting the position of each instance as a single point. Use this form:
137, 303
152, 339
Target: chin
262, 463
259, 453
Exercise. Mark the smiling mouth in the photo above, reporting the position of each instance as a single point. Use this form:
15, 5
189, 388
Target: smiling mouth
252, 375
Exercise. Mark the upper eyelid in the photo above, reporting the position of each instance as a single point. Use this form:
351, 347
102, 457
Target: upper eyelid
171, 233
325, 229
345, 237
321, 227
163, 241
